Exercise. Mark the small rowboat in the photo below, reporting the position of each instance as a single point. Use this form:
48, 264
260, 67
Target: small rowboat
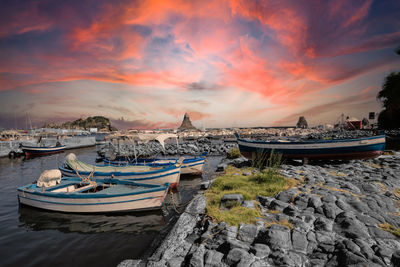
34, 151
107, 195
189, 166
344, 149
143, 174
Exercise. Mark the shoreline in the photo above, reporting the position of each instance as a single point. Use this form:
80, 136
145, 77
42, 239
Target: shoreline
341, 214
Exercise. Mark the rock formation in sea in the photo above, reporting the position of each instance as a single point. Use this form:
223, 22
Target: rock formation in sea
186, 123
302, 123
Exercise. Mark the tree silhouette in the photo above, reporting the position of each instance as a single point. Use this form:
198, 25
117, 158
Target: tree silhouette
389, 118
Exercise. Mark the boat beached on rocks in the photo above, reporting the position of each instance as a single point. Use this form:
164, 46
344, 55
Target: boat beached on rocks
72, 167
75, 195
341, 149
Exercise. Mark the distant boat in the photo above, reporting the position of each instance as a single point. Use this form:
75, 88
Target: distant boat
72, 195
344, 149
189, 165
146, 174
34, 151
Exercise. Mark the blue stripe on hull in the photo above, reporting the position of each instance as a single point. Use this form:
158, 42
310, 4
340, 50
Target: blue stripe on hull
87, 204
117, 175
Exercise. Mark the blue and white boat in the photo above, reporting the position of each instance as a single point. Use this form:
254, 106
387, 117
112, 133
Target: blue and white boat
158, 175
73, 195
344, 149
189, 165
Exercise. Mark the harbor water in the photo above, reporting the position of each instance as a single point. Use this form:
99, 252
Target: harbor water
33, 237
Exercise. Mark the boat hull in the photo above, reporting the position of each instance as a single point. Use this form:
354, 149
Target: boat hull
361, 148
153, 199
193, 167
171, 176
41, 151
189, 166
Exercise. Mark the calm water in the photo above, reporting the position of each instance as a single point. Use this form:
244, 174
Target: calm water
32, 237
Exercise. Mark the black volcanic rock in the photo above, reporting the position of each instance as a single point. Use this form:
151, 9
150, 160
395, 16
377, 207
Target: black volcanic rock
186, 123
302, 123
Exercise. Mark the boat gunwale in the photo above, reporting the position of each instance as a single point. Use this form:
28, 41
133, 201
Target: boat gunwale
311, 142
40, 147
185, 161
97, 174
80, 195
119, 173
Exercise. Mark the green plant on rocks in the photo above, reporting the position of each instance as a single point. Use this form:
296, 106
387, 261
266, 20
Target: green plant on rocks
234, 153
390, 228
260, 160
266, 183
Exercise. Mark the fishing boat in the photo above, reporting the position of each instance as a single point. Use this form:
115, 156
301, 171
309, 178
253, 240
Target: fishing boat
34, 151
72, 167
74, 195
343, 149
189, 166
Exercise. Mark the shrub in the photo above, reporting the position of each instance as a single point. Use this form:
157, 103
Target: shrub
261, 160
234, 153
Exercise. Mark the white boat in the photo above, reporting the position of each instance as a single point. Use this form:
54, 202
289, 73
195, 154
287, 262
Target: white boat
73, 167
103, 195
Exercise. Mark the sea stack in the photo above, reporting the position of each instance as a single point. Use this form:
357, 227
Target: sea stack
186, 123
302, 123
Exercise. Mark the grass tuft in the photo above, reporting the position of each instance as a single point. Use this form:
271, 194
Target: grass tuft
267, 183
382, 186
337, 174
342, 190
397, 192
373, 165
234, 153
273, 211
282, 222
261, 160
389, 152
390, 228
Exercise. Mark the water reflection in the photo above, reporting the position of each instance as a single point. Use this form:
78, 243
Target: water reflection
133, 223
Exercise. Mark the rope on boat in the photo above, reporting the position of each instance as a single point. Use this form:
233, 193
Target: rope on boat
86, 179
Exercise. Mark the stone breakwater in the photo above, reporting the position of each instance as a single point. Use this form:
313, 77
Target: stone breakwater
334, 217
197, 147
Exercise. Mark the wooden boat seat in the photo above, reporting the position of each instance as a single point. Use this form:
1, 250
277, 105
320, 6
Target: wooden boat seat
83, 188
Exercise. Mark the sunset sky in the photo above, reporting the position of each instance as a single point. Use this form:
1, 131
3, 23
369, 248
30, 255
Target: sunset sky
228, 63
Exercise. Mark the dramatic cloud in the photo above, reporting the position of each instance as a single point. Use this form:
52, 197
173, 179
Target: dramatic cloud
243, 62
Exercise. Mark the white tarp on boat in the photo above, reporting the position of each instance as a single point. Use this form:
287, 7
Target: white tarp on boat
49, 178
146, 137
80, 166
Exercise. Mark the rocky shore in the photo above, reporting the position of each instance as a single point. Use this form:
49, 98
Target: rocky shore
188, 148
340, 214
